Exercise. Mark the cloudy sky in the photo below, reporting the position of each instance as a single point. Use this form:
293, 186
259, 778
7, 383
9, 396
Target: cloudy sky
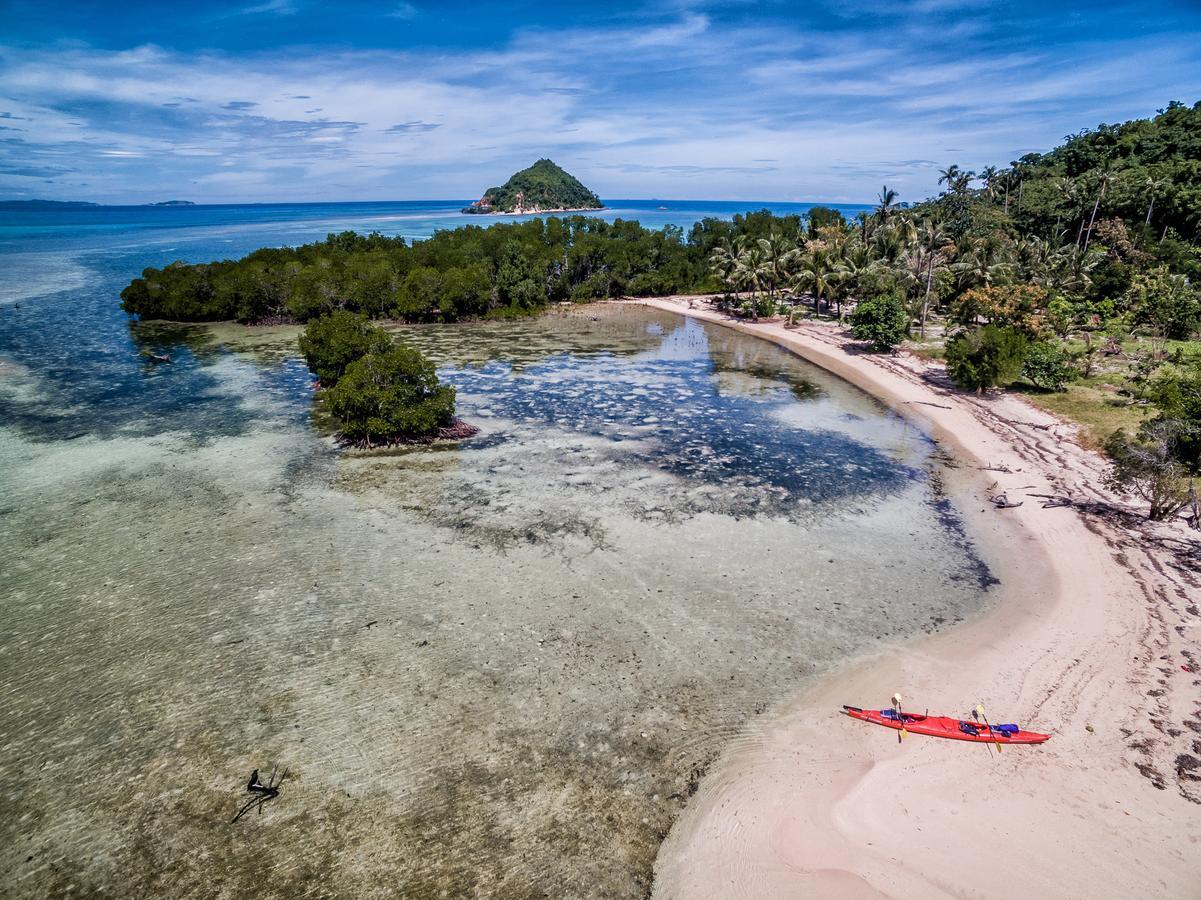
275, 100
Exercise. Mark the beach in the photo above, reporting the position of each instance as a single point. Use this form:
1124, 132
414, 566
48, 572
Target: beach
1094, 641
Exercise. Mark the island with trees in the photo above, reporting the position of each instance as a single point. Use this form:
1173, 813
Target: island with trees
1073, 275
378, 390
542, 188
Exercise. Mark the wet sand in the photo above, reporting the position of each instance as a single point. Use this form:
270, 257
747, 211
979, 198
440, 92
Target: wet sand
1095, 641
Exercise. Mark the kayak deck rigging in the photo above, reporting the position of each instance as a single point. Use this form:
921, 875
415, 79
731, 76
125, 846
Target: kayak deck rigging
946, 727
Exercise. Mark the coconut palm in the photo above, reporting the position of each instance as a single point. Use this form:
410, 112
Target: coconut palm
723, 261
778, 256
936, 246
752, 271
1069, 195
818, 270
984, 263
888, 199
1105, 180
950, 176
989, 175
1153, 186
1032, 255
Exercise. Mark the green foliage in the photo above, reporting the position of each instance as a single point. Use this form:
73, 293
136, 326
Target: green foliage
1178, 397
331, 343
984, 358
1148, 466
824, 217
389, 394
882, 321
465, 273
1006, 305
1145, 173
1047, 365
542, 186
1165, 302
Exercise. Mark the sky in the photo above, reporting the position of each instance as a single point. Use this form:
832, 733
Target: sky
292, 100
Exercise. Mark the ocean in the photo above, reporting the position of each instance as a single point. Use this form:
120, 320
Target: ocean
495, 668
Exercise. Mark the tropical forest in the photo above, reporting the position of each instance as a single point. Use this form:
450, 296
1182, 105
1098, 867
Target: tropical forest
1073, 276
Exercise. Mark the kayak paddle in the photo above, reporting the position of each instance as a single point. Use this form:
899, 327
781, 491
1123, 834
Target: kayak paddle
980, 712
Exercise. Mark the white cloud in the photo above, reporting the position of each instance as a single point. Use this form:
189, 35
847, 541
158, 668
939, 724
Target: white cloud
279, 7
404, 11
667, 106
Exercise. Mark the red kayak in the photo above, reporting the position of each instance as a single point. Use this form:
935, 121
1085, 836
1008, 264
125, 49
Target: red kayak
946, 727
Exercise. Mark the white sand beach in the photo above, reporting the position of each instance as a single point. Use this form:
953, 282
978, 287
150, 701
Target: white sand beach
1095, 641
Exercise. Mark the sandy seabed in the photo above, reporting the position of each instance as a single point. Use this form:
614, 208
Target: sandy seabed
1095, 642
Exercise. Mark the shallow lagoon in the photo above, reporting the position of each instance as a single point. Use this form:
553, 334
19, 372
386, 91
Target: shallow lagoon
494, 669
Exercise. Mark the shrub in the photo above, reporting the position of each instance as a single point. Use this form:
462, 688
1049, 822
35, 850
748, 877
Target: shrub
1005, 305
1178, 397
1047, 366
334, 341
1166, 302
985, 358
1148, 466
882, 321
389, 394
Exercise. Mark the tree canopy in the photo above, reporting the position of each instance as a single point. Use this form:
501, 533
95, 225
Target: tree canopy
543, 186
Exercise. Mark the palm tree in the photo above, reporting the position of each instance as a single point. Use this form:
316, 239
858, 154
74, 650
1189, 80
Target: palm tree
984, 263
989, 177
950, 176
888, 198
933, 241
723, 261
1107, 177
751, 271
778, 255
819, 271
856, 260
1070, 196
1153, 185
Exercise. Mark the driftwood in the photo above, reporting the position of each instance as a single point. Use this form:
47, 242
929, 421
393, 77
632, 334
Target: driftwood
1046, 427
1001, 501
1053, 501
1194, 518
992, 468
928, 403
262, 792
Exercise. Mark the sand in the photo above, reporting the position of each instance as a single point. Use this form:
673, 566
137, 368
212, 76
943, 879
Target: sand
1095, 641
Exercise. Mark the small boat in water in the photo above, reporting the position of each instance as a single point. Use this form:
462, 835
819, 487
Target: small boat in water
946, 727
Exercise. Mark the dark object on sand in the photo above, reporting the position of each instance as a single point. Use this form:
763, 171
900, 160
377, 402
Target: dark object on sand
1053, 501
262, 792
1002, 501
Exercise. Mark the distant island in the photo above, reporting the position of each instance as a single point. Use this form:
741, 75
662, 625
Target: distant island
543, 187
44, 204
76, 204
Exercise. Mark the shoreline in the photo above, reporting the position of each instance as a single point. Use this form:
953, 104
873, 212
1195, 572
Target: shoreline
467, 211
1089, 640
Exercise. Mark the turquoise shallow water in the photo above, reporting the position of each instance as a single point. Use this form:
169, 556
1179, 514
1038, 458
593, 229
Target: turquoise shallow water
493, 669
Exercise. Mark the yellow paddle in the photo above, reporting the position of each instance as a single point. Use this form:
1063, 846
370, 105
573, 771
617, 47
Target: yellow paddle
980, 713
896, 704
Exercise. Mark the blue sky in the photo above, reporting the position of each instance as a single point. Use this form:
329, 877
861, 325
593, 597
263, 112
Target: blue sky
278, 100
